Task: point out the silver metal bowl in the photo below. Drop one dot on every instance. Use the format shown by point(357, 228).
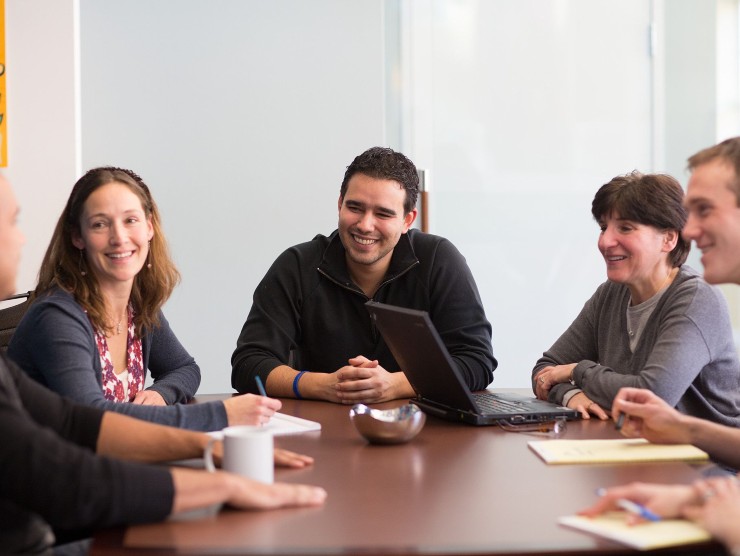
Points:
point(387, 426)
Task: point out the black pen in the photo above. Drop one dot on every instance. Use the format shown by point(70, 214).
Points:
point(261, 388)
point(620, 421)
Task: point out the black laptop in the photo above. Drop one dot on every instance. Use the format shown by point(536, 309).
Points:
point(441, 391)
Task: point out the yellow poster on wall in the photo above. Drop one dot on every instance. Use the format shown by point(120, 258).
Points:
point(3, 118)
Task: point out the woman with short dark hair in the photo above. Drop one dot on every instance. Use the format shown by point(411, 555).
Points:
point(655, 323)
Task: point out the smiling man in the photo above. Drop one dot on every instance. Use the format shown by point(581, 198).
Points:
point(308, 334)
point(713, 203)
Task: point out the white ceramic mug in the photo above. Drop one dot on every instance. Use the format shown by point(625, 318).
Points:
point(248, 451)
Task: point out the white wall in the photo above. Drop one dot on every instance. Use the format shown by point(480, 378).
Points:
point(43, 149)
point(524, 110)
point(690, 74)
point(242, 115)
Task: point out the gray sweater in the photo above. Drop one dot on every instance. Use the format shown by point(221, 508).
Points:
point(686, 353)
point(55, 344)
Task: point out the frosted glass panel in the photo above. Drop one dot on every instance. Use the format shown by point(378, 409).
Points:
point(242, 115)
point(521, 109)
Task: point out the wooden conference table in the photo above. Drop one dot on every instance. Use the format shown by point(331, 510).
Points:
point(454, 489)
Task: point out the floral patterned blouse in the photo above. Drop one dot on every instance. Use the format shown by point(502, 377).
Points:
point(113, 387)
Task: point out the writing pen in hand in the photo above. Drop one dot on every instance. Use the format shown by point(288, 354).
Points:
point(260, 387)
point(618, 425)
point(632, 507)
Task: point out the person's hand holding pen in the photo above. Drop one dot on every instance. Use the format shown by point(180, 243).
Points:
point(260, 386)
point(249, 409)
point(644, 501)
point(284, 458)
point(641, 413)
point(713, 504)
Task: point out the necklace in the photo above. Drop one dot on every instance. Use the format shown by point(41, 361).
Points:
point(120, 321)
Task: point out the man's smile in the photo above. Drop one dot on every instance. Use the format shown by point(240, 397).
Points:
point(363, 240)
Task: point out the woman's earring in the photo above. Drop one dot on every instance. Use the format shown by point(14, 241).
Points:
point(148, 253)
point(82, 270)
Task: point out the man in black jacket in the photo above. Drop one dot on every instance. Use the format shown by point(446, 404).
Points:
point(308, 334)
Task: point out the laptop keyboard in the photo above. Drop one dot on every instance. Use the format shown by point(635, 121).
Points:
point(489, 404)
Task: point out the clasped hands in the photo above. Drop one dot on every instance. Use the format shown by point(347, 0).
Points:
point(364, 381)
point(548, 377)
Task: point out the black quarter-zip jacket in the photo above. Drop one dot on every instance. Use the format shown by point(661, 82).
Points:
point(309, 314)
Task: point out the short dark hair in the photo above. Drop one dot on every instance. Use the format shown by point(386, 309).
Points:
point(652, 199)
point(729, 151)
point(387, 164)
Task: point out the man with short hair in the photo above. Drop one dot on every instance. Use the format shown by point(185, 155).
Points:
point(713, 201)
point(309, 335)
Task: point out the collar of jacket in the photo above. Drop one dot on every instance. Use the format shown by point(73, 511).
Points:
point(334, 263)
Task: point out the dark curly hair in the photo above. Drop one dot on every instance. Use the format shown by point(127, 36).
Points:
point(387, 164)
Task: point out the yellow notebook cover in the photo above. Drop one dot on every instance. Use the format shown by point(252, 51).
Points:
point(642, 536)
point(618, 450)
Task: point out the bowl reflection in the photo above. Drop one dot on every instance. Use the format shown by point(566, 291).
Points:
point(387, 426)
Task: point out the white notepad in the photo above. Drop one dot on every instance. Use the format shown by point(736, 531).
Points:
point(281, 424)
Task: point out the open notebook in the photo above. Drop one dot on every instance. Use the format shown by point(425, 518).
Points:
point(642, 536)
point(618, 450)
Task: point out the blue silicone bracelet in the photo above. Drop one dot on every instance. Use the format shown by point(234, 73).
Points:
point(295, 385)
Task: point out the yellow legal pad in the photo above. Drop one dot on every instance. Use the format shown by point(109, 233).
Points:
point(618, 450)
point(642, 536)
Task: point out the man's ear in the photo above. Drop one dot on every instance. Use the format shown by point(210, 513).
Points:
point(408, 219)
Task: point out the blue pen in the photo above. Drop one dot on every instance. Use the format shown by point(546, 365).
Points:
point(632, 507)
point(261, 388)
point(637, 509)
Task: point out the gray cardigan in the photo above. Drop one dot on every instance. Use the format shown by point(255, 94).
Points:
point(55, 344)
point(686, 353)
